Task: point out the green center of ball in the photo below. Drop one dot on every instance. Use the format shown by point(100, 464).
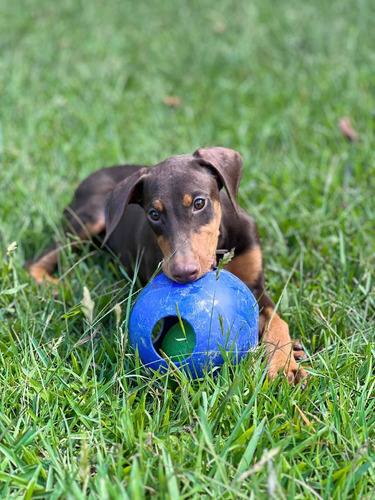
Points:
point(178, 345)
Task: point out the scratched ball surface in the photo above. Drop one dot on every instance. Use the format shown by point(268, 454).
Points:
point(194, 323)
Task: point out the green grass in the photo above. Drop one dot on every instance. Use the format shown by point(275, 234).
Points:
point(82, 85)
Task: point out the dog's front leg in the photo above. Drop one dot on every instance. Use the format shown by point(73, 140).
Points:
point(282, 354)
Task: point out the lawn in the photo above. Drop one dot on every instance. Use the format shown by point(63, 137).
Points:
point(88, 84)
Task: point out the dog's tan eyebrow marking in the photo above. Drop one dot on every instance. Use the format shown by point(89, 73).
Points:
point(158, 205)
point(187, 200)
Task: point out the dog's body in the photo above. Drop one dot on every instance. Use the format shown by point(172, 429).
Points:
point(176, 212)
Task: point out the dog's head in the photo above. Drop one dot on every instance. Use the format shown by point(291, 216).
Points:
point(180, 197)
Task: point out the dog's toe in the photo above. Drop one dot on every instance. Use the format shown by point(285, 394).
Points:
point(298, 352)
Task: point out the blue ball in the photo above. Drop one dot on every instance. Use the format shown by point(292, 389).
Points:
point(219, 311)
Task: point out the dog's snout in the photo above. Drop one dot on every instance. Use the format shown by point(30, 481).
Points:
point(185, 272)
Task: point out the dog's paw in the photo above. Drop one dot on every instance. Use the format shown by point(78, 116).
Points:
point(39, 274)
point(279, 362)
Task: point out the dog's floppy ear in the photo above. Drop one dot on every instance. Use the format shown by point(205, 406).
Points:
point(130, 190)
point(227, 164)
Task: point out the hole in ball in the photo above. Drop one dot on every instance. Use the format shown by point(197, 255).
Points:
point(176, 338)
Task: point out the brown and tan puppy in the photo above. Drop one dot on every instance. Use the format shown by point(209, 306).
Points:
point(176, 211)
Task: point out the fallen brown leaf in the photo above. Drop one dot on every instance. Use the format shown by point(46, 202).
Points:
point(172, 101)
point(347, 129)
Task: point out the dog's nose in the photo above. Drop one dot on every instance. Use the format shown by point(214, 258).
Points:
point(185, 272)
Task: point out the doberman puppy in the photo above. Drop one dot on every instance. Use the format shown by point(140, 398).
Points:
point(176, 212)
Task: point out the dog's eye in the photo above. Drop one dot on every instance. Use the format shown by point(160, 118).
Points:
point(154, 214)
point(199, 203)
